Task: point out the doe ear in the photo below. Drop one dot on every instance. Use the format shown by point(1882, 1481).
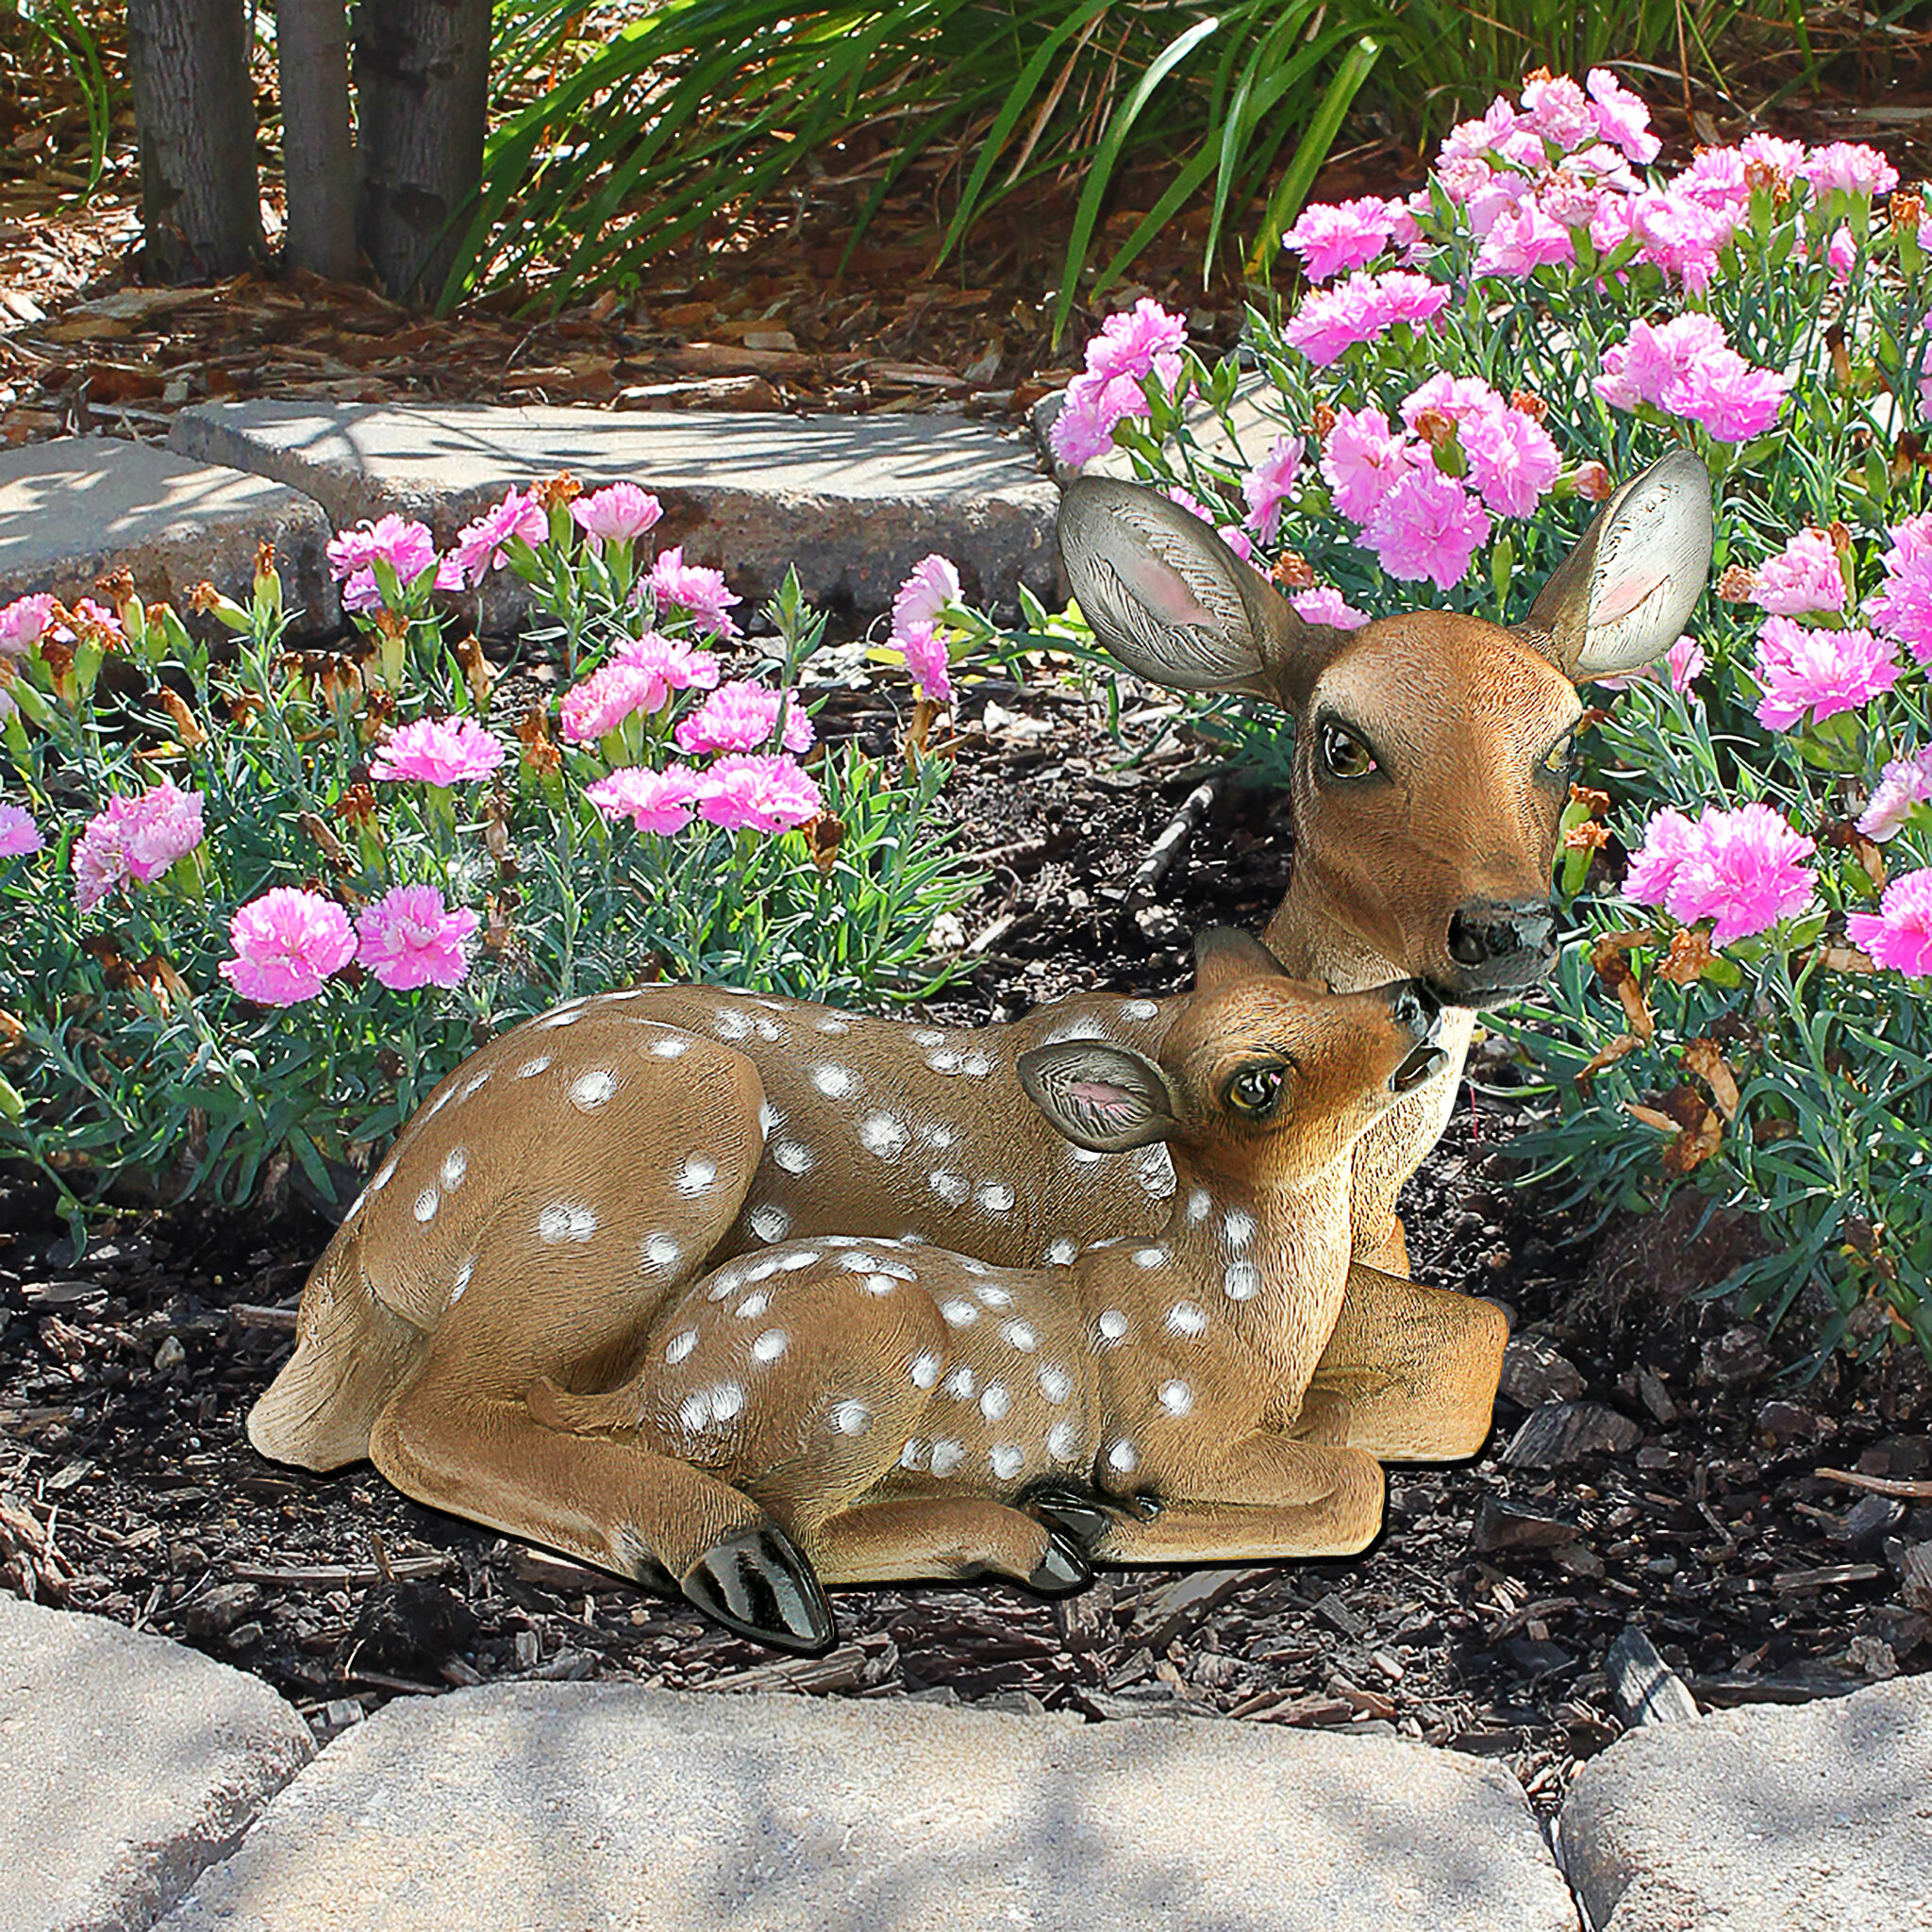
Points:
point(1172, 602)
point(1225, 955)
point(1102, 1098)
point(1621, 597)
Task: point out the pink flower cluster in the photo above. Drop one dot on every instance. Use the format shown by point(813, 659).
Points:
point(134, 839)
point(480, 545)
point(675, 663)
point(1741, 869)
point(1330, 236)
point(1419, 520)
point(919, 603)
point(1902, 605)
point(1805, 576)
point(1805, 669)
point(1325, 605)
point(1686, 368)
point(1899, 934)
point(1903, 783)
point(1137, 342)
point(288, 941)
point(1334, 320)
point(407, 547)
point(767, 792)
point(618, 514)
point(437, 751)
point(19, 835)
point(674, 584)
point(742, 717)
point(640, 676)
point(23, 622)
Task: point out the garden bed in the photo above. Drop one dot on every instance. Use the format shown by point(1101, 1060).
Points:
point(1479, 1620)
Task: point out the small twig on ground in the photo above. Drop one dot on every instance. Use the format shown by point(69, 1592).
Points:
point(1173, 835)
point(1878, 1485)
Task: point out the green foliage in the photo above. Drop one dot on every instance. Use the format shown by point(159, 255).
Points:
point(131, 1060)
point(60, 23)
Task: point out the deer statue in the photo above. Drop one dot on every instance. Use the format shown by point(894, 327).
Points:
point(1432, 754)
point(846, 1411)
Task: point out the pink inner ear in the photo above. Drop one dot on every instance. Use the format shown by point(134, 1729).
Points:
point(1625, 595)
point(1100, 1094)
point(1163, 590)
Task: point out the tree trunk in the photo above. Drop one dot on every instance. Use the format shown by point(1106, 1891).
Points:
point(200, 205)
point(318, 158)
point(422, 90)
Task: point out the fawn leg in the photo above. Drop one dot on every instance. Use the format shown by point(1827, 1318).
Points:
point(614, 1505)
point(1416, 1368)
point(1267, 1496)
point(906, 1537)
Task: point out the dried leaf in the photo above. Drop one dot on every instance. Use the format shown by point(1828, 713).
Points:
point(1706, 1059)
point(1701, 1132)
point(1651, 1117)
point(1846, 960)
point(1690, 954)
point(1606, 1056)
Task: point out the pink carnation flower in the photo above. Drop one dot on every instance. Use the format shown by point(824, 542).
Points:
point(1139, 341)
point(1363, 460)
point(927, 662)
point(601, 702)
point(742, 717)
point(1558, 111)
point(1334, 320)
point(1269, 484)
point(1089, 415)
point(932, 584)
point(772, 794)
point(676, 663)
point(1715, 178)
point(1470, 140)
point(1653, 869)
point(1901, 607)
point(1804, 575)
point(1325, 605)
point(1686, 368)
point(1851, 168)
point(1427, 526)
point(1903, 783)
point(1526, 238)
point(1512, 462)
point(437, 751)
point(408, 939)
point(1330, 236)
point(657, 801)
point(693, 587)
point(1899, 934)
point(1622, 118)
point(407, 547)
point(1743, 869)
point(23, 622)
point(287, 942)
point(135, 838)
point(1684, 664)
point(19, 835)
point(1823, 672)
point(1785, 157)
point(1734, 401)
point(618, 514)
point(479, 545)
point(1681, 237)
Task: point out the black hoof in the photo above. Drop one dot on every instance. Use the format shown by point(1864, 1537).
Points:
point(1082, 1515)
point(759, 1583)
point(1062, 1569)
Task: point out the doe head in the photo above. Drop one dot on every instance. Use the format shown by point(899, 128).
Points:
point(1260, 1076)
point(1433, 750)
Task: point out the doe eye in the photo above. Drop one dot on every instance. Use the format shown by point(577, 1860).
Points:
point(1345, 754)
point(1255, 1089)
point(1562, 756)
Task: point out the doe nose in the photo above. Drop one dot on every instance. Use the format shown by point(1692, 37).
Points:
point(1487, 931)
point(1416, 1008)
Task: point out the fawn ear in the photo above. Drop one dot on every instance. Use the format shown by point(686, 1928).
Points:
point(1172, 602)
point(1102, 1098)
point(1225, 955)
point(1621, 597)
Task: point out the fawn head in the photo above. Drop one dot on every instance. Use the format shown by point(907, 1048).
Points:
point(1433, 750)
point(1261, 1076)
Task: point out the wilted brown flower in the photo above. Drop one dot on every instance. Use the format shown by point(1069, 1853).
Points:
point(1529, 403)
point(1324, 420)
point(204, 597)
point(539, 749)
point(1435, 427)
point(1758, 173)
point(115, 585)
point(190, 734)
point(1293, 571)
point(1587, 836)
point(1905, 209)
point(1737, 585)
point(1594, 802)
point(1690, 954)
point(1592, 482)
point(356, 806)
point(560, 489)
point(822, 836)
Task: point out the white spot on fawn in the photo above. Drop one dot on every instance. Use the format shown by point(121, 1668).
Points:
point(830, 1025)
point(858, 1262)
point(996, 1197)
point(1063, 1442)
point(1084, 1156)
point(1186, 1318)
point(590, 1090)
point(1021, 1336)
point(770, 1119)
point(1150, 1257)
point(476, 1081)
point(661, 1251)
point(727, 1398)
point(852, 1417)
point(694, 1411)
point(799, 1258)
point(927, 1035)
point(1061, 1251)
point(992, 1295)
point(947, 1457)
point(1238, 1228)
point(880, 1284)
point(730, 1026)
point(995, 1402)
point(976, 1064)
point(456, 1164)
point(1112, 1325)
point(461, 1282)
point(945, 1062)
point(951, 1188)
point(1200, 1206)
point(1006, 1460)
point(564, 1016)
point(566, 1221)
point(426, 1203)
point(680, 1345)
point(1140, 1010)
point(1176, 1397)
point(1154, 1172)
point(769, 1346)
point(696, 1174)
point(925, 1370)
point(959, 1314)
point(880, 1134)
point(795, 1157)
point(769, 1221)
point(835, 1083)
point(1242, 1281)
point(1055, 1383)
point(530, 1069)
point(937, 1135)
point(671, 1047)
point(913, 1454)
point(959, 1383)
point(381, 1176)
point(754, 1305)
point(768, 1029)
point(1123, 1457)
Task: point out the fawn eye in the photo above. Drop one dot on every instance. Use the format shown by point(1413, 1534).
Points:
point(1255, 1089)
point(1344, 754)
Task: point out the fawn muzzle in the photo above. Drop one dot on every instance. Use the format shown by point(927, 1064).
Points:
point(1417, 1007)
point(1499, 945)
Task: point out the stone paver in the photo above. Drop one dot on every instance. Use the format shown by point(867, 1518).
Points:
point(1806, 1818)
point(81, 504)
point(853, 501)
point(126, 1764)
point(608, 1808)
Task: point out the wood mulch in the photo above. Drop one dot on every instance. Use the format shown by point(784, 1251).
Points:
point(1680, 1490)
